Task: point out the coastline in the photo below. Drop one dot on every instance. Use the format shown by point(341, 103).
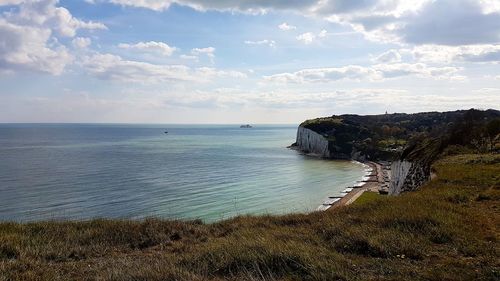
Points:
point(372, 182)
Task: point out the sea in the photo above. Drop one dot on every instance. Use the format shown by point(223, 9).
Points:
point(136, 171)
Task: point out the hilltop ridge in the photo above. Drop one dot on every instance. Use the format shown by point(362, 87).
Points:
point(387, 136)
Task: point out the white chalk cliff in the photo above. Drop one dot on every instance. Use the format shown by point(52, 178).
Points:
point(311, 142)
point(407, 176)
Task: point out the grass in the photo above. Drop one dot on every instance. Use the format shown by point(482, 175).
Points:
point(324, 121)
point(448, 230)
point(367, 197)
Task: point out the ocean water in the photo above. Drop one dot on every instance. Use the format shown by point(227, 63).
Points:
point(203, 172)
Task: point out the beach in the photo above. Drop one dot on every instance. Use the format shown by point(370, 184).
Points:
point(377, 179)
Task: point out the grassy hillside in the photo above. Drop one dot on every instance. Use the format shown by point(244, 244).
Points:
point(448, 230)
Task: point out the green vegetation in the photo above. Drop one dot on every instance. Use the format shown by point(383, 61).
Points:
point(387, 136)
point(448, 230)
point(330, 121)
point(368, 197)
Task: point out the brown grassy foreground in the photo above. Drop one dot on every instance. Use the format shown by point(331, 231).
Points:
point(449, 230)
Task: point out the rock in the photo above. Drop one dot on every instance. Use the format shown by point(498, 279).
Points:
point(407, 176)
point(311, 142)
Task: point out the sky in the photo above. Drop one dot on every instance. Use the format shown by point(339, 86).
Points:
point(240, 61)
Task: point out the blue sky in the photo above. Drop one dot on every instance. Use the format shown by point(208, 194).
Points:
point(276, 61)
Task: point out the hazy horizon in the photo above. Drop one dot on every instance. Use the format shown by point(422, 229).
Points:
point(208, 124)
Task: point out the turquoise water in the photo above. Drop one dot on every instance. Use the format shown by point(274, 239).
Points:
point(136, 171)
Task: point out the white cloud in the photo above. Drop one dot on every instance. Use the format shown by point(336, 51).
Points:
point(341, 101)
point(29, 48)
point(351, 72)
point(81, 42)
point(151, 46)
point(418, 69)
point(188, 57)
point(452, 22)
point(112, 67)
point(30, 36)
point(246, 6)
point(306, 38)
point(448, 54)
point(45, 13)
point(10, 2)
point(208, 51)
point(212, 72)
point(157, 5)
point(270, 43)
point(286, 27)
point(390, 56)
point(376, 72)
point(443, 22)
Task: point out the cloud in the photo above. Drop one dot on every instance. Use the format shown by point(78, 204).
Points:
point(212, 72)
point(151, 46)
point(376, 72)
point(188, 57)
point(113, 67)
point(448, 54)
point(452, 22)
point(390, 56)
point(418, 69)
point(156, 5)
point(28, 48)
point(270, 43)
point(351, 72)
point(45, 13)
point(10, 2)
point(29, 36)
point(306, 38)
point(208, 51)
point(443, 22)
point(286, 27)
point(338, 101)
point(81, 42)
point(245, 6)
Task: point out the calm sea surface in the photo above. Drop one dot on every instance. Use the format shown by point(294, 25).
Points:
point(136, 171)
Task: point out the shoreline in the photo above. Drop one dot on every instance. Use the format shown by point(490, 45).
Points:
point(372, 182)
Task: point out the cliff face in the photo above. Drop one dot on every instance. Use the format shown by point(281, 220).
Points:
point(407, 176)
point(311, 142)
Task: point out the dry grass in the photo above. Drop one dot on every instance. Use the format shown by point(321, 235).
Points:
point(446, 231)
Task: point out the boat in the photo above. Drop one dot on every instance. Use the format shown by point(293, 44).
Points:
point(166, 132)
point(247, 126)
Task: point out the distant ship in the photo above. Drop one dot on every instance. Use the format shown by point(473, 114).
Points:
point(247, 126)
